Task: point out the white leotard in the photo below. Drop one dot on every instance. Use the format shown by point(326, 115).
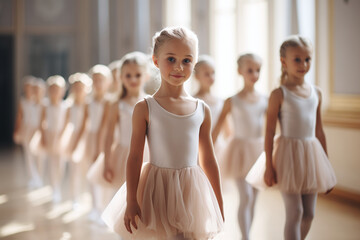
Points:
point(248, 117)
point(298, 114)
point(173, 139)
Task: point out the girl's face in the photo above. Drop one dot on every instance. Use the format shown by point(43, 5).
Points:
point(55, 93)
point(78, 89)
point(28, 91)
point(205, 74)
point(297, 61)
point(250, 70)
point(176, 61)
point(133, 77)
point(39, 92)
point(100, 83)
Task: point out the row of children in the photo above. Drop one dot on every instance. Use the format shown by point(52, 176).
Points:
point(171, 197)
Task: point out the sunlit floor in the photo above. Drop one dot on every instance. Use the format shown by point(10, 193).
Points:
point(29, 214)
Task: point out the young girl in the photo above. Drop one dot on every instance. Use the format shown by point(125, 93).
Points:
point(73, 136)
point(205, 75)
point(298, 162)
point(109, 172)
point(52, 127)
point(25, 127)
point(247, 109)
point(171, 197)
point(95, 129)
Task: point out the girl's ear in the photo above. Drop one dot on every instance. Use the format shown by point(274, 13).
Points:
point(155, 61)
point(239, 70)
point(282, 60)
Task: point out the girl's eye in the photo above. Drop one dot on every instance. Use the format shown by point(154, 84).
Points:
point(297, 60)
point(138, 75)
point(250, 71)
point(128, 76)
point(308, 59)
point(171, 59)
point(186, 60)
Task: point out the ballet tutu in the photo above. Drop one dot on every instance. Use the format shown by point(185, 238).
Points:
point(118, 160)
point(239, 157)
point(172, 202)
point(301, 166)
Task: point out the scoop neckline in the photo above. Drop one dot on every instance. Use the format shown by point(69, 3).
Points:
point(300, 97)
point(178, 115)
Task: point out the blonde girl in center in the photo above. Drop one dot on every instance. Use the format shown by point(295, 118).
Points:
point(176, 195)
point(247, 108)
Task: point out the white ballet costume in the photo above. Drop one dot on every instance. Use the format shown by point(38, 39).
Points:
point(301, 164)
point(247, 143)
point(29, 125)
point(75, 154)
point(174, 194)
point(55, 120)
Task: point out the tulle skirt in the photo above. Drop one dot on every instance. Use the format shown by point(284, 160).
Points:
point(239, 157)
point(172, 202)
point(118, 160)
point(301, 166)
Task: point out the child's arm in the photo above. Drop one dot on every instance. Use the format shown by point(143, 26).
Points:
point(226, 109)
point(17, 126)
point(275, 101)
point(319, 132)
point(112, 115)
point(100, 133)
point(140, 119)
point(207, 158)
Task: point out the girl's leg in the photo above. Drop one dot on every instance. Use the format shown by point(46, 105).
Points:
point(246, 209)
point(57, 172)
point(294, 213)
point(309, 202)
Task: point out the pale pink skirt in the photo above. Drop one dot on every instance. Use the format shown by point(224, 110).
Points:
point(239, 156)
point(172, 202)
point(301, 166)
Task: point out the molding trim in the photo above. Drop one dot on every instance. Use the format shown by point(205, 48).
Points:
point(345, 196)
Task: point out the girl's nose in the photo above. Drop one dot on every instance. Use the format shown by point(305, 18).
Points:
point(178, 67)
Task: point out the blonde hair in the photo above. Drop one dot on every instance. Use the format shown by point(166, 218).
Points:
point(56, 80)
point(170, 33)
point(101, 69)
point(292, 41)
point(138, 58)
point(246, 56)
point(81, 78)
point(204, 59)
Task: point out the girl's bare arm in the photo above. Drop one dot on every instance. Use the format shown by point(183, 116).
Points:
point(226, 109)
point(207, 158)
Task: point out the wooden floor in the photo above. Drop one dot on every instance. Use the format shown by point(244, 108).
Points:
point(29, 214)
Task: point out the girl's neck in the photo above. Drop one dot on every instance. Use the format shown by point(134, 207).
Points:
point(79, 101)
point(248, 88)
point(55, 102)
point(98, 96)
point(293, 81)
point(167, 90)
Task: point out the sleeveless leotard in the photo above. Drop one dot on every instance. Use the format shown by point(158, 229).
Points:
point(247, 143)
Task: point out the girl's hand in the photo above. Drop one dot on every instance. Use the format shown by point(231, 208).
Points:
point(108, 174)
point(270, 176)
point(132, 209)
